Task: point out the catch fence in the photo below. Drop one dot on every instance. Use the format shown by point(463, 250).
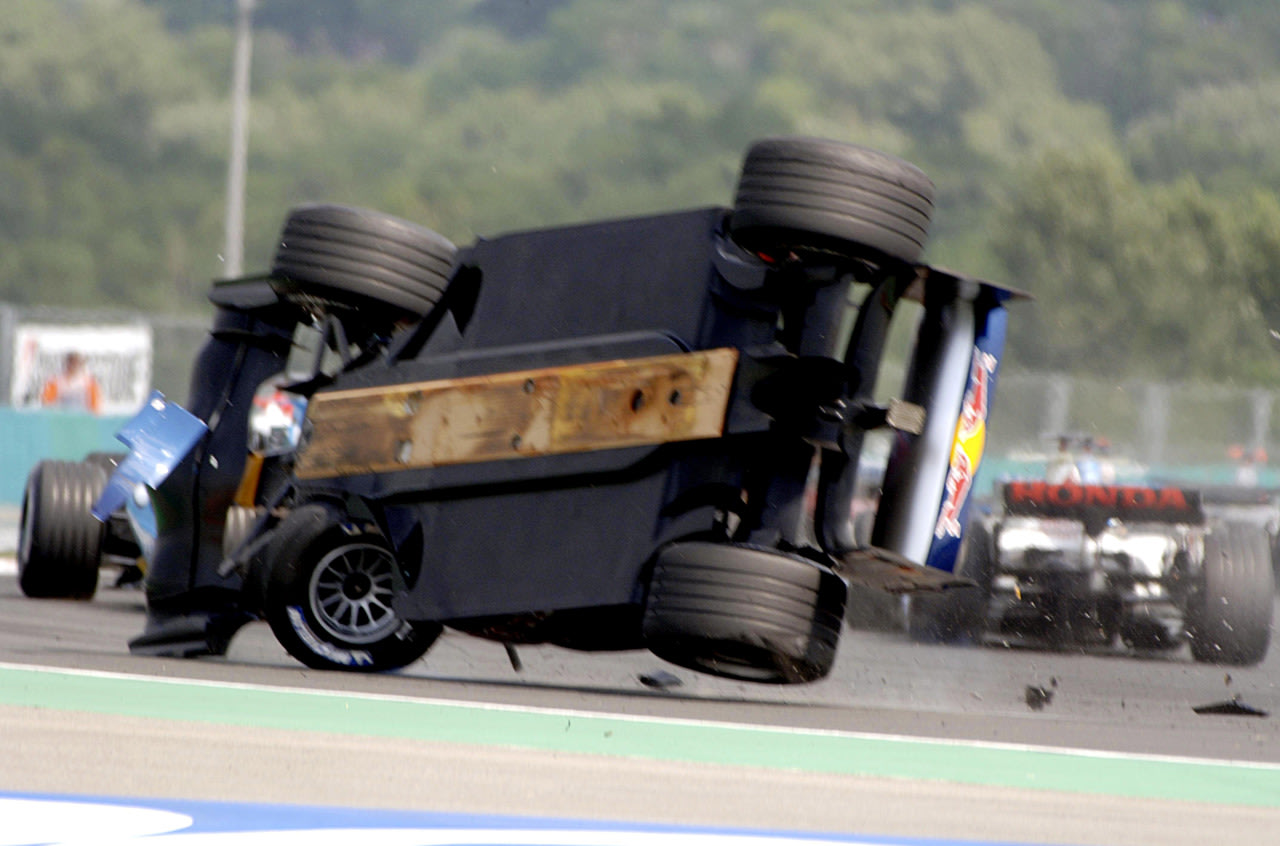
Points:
point(1192, 429)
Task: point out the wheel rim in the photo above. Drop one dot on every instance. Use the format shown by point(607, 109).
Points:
point(350, 593)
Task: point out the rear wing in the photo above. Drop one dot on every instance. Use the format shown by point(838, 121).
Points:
point(1239, 495)
point(925, 497)
point(1094, 504)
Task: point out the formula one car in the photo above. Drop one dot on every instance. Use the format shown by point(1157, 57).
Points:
point(637, 433)
point(1093, 565)
point(63, 547)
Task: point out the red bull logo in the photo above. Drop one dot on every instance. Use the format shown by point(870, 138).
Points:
point(967, 446)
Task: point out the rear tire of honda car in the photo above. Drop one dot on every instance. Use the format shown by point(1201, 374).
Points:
point(59, 540)
point(809, 194)
point(743, 612)
point(1229, 615)
point(390, 269)
point(958, 614)
point(329, 594)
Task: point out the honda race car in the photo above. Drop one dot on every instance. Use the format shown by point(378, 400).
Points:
point(1103, 565)
point(638, 433)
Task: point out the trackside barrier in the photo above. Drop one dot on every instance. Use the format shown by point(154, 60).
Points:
point(31, 436)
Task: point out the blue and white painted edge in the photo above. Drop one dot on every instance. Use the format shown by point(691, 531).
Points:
point(30, 819)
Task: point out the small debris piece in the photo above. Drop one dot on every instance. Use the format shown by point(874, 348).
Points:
point(513, 657)
point(660, 679)
point(1233, 707)
point(1038, 697)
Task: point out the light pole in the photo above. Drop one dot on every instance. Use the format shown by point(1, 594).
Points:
point(233, 250)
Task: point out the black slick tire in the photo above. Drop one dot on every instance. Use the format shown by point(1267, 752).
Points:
point(108, 461)
point(329, 592)
point(59, 540)
point(800, 194)
point(1229, 614)
point(240, 522)
point(743, 612)
point(390, 269)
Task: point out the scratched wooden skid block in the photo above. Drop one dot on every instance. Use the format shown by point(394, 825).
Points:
point(550, 411)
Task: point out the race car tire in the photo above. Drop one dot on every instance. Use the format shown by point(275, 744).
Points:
point(1275, 558)
point(59, 540)
point(1147, 636)
point(235, 531)
point(958, 614)
point(329, 591)
point(108, 461)
point(809, 194)
point(743, 612)
point(388, 268)
point(1229, 615)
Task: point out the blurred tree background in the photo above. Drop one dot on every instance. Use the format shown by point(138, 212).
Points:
point(1113, 157)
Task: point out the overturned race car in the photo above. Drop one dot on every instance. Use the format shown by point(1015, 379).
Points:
point(638, 433)
point(1101, 566)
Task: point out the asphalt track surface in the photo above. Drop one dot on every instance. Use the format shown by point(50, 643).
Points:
point(903, 740)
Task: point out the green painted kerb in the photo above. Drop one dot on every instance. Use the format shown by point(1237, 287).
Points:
point(811, 751)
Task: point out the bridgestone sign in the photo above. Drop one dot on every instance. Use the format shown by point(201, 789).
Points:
point(119, 357)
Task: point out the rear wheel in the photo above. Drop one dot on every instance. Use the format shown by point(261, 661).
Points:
point(240, 522)
point(387, 268)
point(744, 612)
point(1229, 615)
point(60, 541)
point(329, 595)
point(811, 194)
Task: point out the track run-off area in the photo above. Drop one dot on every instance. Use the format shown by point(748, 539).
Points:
point(917, 741)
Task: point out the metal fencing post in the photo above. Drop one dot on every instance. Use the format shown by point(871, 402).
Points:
point(8, 331)
point(1155, 422)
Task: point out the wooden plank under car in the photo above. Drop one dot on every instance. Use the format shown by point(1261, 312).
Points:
point(548, 411)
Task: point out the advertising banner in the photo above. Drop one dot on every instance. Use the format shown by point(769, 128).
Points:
point(103, 369)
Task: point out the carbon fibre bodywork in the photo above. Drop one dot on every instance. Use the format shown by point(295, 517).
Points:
point(605, 436)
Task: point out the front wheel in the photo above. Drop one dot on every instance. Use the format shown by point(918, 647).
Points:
point(1229, 615)
point(386, 268)
point(329, 595)
point(59, 540)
